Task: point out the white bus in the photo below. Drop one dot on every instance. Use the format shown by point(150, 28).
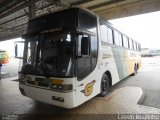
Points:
point(72, 55)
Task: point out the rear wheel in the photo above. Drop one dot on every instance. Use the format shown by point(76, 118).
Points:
point(135, 70)
point(104, 85)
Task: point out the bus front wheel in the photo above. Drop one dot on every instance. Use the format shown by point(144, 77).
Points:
point(104, 85)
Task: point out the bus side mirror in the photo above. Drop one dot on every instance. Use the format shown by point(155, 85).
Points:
point(85, 47)
point(19, 47)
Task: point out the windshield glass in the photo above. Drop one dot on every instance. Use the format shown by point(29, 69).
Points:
point(50, 55)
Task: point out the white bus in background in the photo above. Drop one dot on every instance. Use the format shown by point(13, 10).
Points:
point(73, 55)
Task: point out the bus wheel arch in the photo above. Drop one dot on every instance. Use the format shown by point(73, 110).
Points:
point(105, 84)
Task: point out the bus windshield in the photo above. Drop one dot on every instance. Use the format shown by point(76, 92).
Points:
point(50, 55)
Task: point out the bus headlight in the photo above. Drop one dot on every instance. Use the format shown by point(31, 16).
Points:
point(22, 79)
point(67, 87)
point(29, 78)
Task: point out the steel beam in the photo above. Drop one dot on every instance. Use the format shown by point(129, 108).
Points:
point(129, 9)
point(7, 5)
point(13, 19)
point(10, 36)
point(105, 4)
point(22, 6)
point(81, 2)
point(14, 27)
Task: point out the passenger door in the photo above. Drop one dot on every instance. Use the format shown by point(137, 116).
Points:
point(84, 57)
point(85, 88)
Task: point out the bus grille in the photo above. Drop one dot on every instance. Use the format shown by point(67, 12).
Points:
point(30, 82)
point(43, 84)
point(35, 83)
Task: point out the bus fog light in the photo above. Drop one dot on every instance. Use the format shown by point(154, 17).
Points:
point(60, 99)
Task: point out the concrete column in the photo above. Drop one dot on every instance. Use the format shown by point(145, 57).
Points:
point(32, 10)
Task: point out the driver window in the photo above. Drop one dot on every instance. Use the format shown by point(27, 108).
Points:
point(87, 63)
point(79, 43)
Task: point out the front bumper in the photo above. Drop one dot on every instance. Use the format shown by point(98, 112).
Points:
point(47, 96)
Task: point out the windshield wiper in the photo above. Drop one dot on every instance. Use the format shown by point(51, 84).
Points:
point(44, 68)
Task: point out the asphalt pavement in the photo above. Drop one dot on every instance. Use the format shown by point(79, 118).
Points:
point(148, 78)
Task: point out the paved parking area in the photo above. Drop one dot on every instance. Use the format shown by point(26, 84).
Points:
point(148, 78)
point(125, 100)
point(11, 69)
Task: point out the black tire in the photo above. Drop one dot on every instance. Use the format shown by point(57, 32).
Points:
point(135, 70)
point(104, 85)
point(137, 67)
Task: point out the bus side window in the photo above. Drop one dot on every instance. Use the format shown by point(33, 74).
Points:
point(139, 47)
point(134, 44)
point(110, 36)
point(120, 40)
point(103, 30)
point(116, 38)
point(130, 44)
point(125, 41)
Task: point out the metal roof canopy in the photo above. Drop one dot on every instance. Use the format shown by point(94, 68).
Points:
point(15, 14)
